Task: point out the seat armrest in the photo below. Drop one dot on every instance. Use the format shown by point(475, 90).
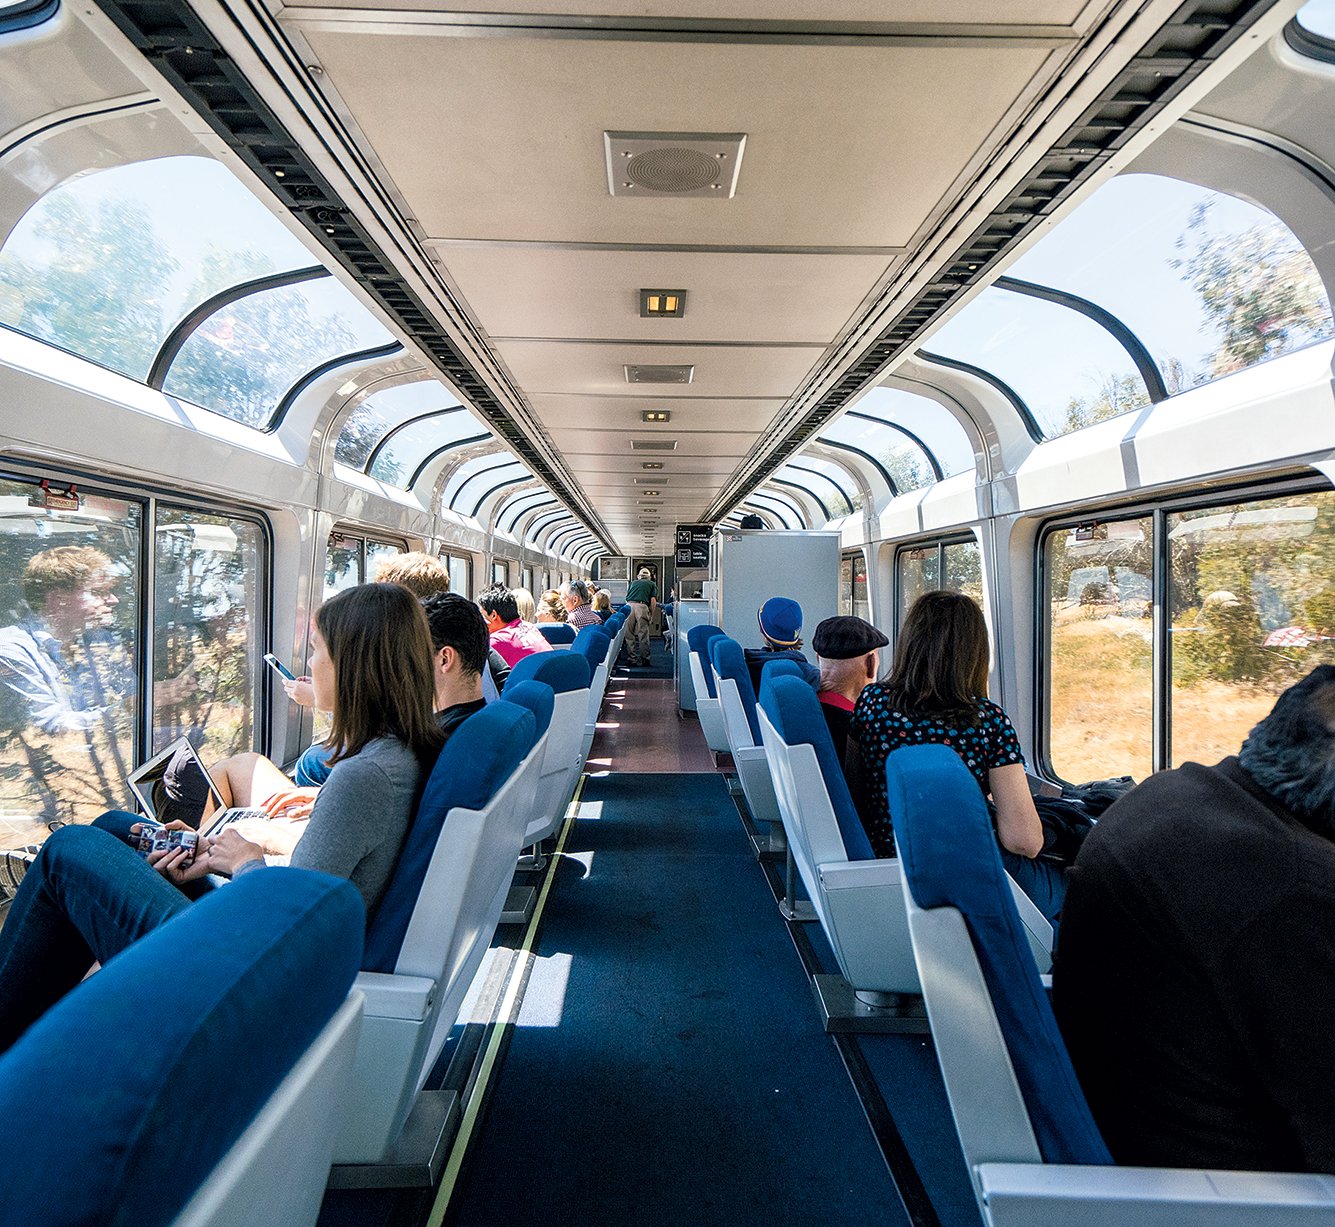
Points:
point(404, 997)
point(748, 754)
point(1037, 1195)
point(858, 875)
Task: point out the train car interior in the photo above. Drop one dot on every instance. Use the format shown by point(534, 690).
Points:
point(745, 316)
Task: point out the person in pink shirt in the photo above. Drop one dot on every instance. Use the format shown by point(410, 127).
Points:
point(512, 638)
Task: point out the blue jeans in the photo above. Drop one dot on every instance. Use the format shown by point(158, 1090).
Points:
point(312, 767)
point(86, 897)
point(1042, 881)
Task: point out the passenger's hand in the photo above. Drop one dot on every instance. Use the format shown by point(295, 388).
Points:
point(291, 804)
point(274, 838)
point(229, 852)
point(173, 865)
point(300, 691)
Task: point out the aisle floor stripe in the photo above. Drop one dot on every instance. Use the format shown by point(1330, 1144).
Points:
point(505, 1018)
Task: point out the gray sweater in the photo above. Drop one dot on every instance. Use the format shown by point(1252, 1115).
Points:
point(360, 818)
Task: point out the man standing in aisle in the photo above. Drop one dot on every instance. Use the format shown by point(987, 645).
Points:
point(642, 596)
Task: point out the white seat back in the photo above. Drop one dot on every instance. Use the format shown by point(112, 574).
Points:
point(560, 764)
point(707, 708)
point(275, 1173)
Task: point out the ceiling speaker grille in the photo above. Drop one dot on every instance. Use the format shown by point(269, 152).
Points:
point(701, 164)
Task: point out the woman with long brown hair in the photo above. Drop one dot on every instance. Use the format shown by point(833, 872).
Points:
point(88, 894)
point(937, 694)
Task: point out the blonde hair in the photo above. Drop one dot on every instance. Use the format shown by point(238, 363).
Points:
point(524, 603)
point(602, 600)
point(551, 605)
point(423, 575)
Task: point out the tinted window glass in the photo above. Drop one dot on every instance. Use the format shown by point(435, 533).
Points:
point(461, 574)
point(207, 631)
point(343, 565)
point(853, 587)
point(105, 265)
point(242, 359)
point(1100, 681)
point(69, 584)
point(919, 571)
point(1252, 601)
point(924, 418)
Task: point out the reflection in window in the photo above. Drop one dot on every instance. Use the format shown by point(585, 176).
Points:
point(1100, 683)
point(1067, 369)
point(241, 360)
point(1210, 284)
point(919, 571)
point(377, 551)
point(853, 598)
point(379, 413)
point(343, 564)
point(107, 264)
point(461, 574)
point(69, 585)
point(1252, 606)
point(207, 631)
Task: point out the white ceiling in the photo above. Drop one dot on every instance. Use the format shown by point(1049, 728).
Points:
point(490, 134)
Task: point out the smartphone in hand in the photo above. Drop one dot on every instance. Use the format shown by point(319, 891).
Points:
point(277, 665)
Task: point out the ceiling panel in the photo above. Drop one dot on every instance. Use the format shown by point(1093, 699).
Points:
point(999, 12)
point(689, 443)
point(516, 123)
point(731, 296)
point(618, 413)
point(569, 366)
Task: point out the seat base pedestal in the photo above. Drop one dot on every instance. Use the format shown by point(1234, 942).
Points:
point(518, 906)
point(417, 1155)
point(800, 910)
point(842, 1010)
point(769, 842)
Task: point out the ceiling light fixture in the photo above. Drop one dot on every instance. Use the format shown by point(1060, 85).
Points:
point(655, 415)
point(662, 304)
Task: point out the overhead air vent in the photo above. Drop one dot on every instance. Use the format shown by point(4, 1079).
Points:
point(641, 373)
point(651, 481)
point(653, 445)
point(673, 163)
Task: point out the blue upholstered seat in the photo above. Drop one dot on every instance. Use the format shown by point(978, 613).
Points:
point(730, 665)
point(950, 859)
point(697, 639)
point(592, 642)
point(536, 697)
point(557, 632)
point(561, 671)
point(794, 711)
point(123, 1097)
point(480, 756)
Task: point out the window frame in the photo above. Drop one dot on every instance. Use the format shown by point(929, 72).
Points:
point(353, 533)
point(149, 497)
point(939, 544)
point(26, 16)
point(1161, 665)
point(445, 556)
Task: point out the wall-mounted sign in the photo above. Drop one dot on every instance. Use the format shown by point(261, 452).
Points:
point(693, 546)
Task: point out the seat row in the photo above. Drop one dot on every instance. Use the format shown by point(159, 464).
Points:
point(268, 1031)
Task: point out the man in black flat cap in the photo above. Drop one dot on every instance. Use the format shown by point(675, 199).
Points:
point(848, 652)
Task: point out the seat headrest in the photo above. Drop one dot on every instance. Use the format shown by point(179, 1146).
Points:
point(949, 856)
point(794, 711)
point(477, 760)
point(129, 1062)
point(730, 664)
point(561, 671)
point(697, 639)
point(537, 697)
point(557, 632)
point(592, 642)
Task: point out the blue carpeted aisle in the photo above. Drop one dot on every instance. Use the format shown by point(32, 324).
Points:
point(668, 1066)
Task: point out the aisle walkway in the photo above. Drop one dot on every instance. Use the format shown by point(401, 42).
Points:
point(667, 1066)
point(639, 729)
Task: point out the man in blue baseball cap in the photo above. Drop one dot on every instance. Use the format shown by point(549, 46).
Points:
point(780, 621)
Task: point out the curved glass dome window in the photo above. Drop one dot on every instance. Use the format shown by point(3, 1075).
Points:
point(898, 460)
point(834, 487)
point(1312, 31)
point(475, 477)
point(366, 427)
point(1208, 283)
point(241, 360)
point(1067, 369)
point(106, 265)
point(23, 14)
point(930, 423)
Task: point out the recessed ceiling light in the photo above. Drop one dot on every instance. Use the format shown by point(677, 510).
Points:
point(656, 415)
point(662, 304)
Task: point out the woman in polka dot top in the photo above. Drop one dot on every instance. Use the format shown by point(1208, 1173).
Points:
point(936, 693)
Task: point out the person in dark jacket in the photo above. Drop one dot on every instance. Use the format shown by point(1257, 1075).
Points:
point(780, 622)
point(848, 653)
point(1195, 976)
